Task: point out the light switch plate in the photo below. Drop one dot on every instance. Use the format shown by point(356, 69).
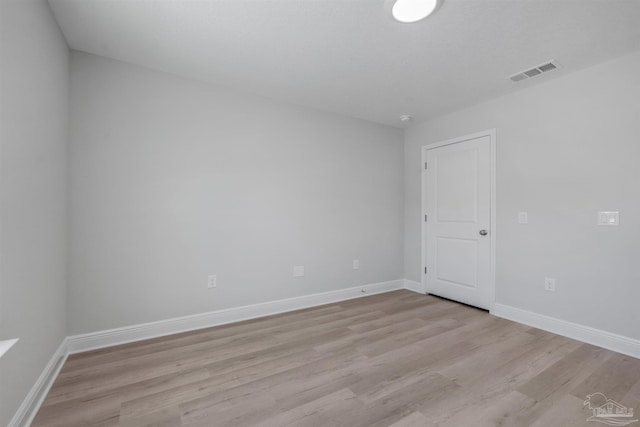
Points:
point(609, 218)
point(298, 270)
point(523, 218)
point(212, 281)
point(549, 284)
point(356, 264)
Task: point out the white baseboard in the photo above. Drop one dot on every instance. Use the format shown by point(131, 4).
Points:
point(412, 285)
point(29, 407)
point(608, 340)
point(95, 340)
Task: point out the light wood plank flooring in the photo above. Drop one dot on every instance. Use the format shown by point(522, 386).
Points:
point(397, 359)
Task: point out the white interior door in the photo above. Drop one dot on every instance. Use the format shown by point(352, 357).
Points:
point(457, 188)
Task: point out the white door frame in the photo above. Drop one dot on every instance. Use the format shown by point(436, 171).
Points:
point(491, 133)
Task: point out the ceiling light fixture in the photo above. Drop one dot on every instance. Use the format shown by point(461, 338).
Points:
point(407, 11)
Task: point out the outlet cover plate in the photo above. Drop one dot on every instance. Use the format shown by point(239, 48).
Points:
point(523, 218)
point(549, 284)
point(609, 218)
point(212, 281)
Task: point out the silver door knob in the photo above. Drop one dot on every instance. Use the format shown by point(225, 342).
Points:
point(483, 232)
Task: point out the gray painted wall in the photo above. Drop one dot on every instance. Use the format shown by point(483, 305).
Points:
point(567, 148)
point(34, 87)
point(172, 180)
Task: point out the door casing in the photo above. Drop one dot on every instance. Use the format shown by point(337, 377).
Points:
point(491, 133)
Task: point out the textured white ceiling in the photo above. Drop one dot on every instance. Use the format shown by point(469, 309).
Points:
point(349, 56)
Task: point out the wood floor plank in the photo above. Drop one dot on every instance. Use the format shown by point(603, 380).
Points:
point(397, 359)
point(567, 373)
point(415, 419)
point(397, 340)
point(297, 394)
point(125, 392)
point(215, 389)
point(615, 377)
point(244, 328)
point(494, 411)
point(490, 387)
point(319, 412)
point(370, 336)
point(567, 411)
point(394, 406)
point(556, 381)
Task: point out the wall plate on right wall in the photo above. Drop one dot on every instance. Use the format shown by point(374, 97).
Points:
point(523, 217)
point(609, 218)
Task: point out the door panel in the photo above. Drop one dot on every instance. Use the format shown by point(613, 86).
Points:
point(456, 186)
point(451, 253)
point(457, 201)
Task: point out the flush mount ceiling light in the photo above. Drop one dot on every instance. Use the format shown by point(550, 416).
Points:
point(407, 11)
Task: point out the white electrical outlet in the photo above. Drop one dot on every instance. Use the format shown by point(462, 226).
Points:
point(549, 284)
point(356, 264)
point(523, 218)
point(212, 281)
point(298, 270)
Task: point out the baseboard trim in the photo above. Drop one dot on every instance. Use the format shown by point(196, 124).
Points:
point(127, 334)
point(29, 408)
point(412, 285)
point(608, 340)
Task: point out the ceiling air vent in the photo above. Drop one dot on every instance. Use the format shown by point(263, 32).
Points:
point(547, 67)
point(535, 71)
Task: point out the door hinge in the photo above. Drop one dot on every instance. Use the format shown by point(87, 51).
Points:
point(425, 217)
point(425, 165)
point(425, 270)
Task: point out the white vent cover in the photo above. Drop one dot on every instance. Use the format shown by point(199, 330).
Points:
point(535, 71)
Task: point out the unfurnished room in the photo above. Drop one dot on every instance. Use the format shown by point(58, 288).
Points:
point(319, 213)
